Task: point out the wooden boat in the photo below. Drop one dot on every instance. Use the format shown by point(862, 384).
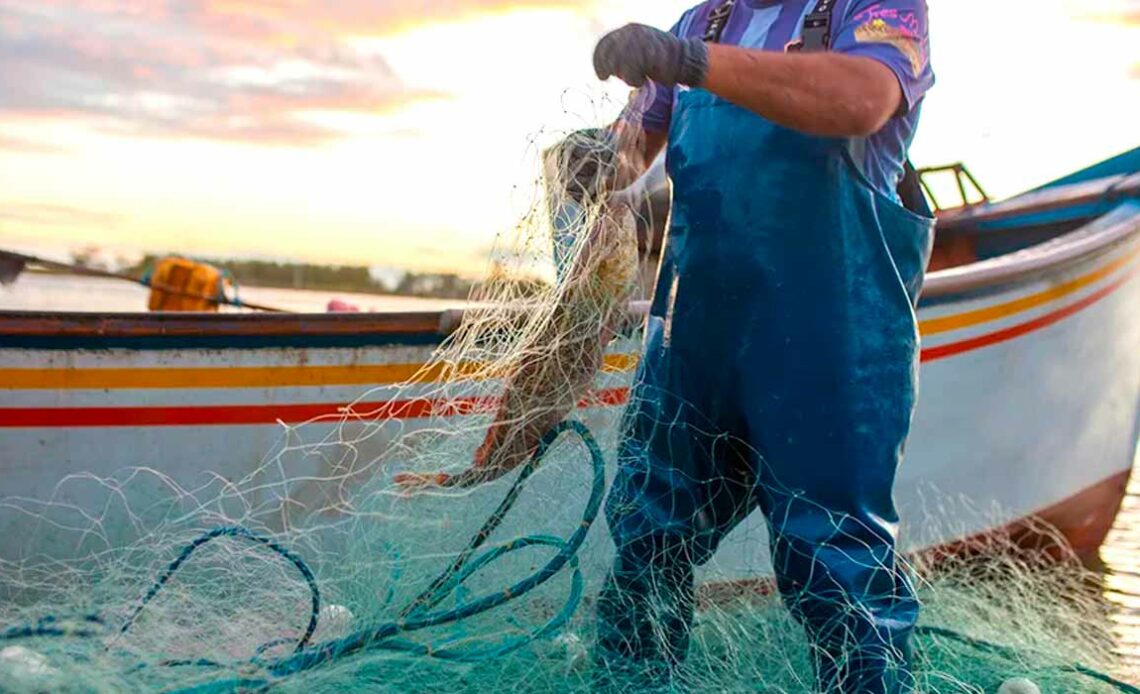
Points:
point(1029, 407)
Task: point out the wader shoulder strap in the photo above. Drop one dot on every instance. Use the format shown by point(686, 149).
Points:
point(816, 33)
point(718, 19)
point(817, 37)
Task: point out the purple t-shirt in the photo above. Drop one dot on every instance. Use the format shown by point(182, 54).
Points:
point(893, 32)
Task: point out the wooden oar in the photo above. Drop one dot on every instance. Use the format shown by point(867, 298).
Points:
point(12, 264)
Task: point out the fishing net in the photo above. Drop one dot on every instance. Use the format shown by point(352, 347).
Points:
point(451, 539)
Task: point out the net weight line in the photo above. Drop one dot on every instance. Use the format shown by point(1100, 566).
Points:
point(935, 633)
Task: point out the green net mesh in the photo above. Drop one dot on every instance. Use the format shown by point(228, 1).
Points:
point(380, 573)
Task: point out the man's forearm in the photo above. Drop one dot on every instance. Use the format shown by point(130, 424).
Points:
point(823, 94)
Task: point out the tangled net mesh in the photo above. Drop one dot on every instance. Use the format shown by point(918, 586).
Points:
point(366, 552)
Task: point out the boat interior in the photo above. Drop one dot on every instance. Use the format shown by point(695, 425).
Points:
point(973, 228)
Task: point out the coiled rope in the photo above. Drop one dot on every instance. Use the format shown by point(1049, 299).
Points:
point(415, 616)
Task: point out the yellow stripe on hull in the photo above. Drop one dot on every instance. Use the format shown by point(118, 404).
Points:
point(388, 374)
point(252, 376)
point(934, 326)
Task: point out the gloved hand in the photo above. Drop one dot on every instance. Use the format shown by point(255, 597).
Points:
point(636, 53)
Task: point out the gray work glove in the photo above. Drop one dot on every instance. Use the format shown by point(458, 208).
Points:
point(636, 53)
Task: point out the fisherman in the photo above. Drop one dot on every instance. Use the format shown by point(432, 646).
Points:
point(780, 359)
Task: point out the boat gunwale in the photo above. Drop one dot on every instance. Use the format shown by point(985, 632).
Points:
point(1115, 187)
point(176, 324)
point(1093, 239)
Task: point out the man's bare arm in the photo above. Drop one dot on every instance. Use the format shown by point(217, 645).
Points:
point(823, 94)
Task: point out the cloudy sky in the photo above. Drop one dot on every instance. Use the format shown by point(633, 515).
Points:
point(403, 132)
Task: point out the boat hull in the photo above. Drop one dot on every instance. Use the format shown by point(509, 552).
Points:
point(1029, 408)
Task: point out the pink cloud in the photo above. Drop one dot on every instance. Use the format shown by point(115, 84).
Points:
point(358, 17)
point(221, 69)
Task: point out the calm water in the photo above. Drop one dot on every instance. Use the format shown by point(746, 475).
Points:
point(1121, 553)
point(39, 292)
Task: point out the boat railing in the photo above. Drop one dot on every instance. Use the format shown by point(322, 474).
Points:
point(962, 177)
point(1105, 189)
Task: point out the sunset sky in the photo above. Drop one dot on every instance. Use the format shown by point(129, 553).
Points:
point(401, 133)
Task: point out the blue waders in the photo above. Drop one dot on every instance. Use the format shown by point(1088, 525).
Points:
point(779, 372)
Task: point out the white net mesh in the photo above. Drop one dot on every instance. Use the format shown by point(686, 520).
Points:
point(435, 550)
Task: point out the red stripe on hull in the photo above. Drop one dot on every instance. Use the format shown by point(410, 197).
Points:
point(1015, 331)
point(214, 415)
point(210, 415)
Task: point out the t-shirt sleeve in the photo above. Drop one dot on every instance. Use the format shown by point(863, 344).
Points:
point(895, 33)
point(652, 105)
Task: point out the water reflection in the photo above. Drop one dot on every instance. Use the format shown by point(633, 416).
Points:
point(1121, 556)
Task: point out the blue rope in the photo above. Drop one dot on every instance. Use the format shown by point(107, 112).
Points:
point(80, 627)
point(417, 616)
point(235, 531)
point(414, 617)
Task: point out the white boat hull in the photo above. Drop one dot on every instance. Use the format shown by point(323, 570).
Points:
point(1029, 407)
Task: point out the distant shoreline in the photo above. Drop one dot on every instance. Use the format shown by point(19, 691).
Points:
point(315, 287)
point(59, 291)
point(355, 279)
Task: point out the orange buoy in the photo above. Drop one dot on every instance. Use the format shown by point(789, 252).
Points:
point(181, 284)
